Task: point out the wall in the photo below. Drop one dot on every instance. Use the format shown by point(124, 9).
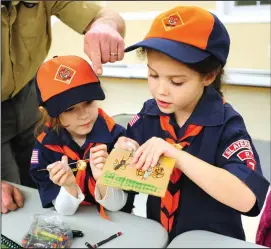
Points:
point(249, 50)
point(253, 103)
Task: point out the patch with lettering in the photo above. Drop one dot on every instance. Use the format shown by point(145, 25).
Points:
point(236, 146)
point(248, 156)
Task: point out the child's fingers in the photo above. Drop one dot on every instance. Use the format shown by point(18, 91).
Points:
point(97, 154)
point(52, 165)
point(58, 175)
point(99, 160)
point(54, 168)
point(138, 154)
point(149, 157)
point(158, 150)
point(63, 179)
point(122, 146)
point(155, 158)
point(132, 146)
point(99, 165)
point(145, 159)
point(91, 161)
point(97, 148)
point(64, 160)
point(126, 143)
point(153, 154)
point(142, 158)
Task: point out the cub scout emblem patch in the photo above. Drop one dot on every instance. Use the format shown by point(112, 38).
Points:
point(173, 21)
point(64, 74)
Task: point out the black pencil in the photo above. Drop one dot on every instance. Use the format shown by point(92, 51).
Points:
point(106, 240)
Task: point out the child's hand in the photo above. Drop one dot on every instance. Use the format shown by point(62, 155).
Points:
point(61, 174)
point(126, 143)
point(97, 157)
point(149, 153)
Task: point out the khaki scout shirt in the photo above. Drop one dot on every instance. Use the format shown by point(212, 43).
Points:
point(26, 36)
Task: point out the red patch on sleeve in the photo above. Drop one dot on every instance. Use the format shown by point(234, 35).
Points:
point(251, 163)
point(249, 157)
point(234, 147)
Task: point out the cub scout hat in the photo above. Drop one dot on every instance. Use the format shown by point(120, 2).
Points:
point(64, 81)
point(188, 34)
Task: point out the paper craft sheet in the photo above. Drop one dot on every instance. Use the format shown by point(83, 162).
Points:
point(118, 172)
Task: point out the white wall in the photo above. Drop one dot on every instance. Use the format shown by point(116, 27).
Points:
point(253, 103)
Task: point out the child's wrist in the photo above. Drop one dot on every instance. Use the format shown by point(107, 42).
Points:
point(96, 177)
point(71, 186)
point(179, 154)
point(72, 189)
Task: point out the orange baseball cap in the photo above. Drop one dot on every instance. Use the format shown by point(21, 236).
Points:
point(188, 34)
point(64, 81)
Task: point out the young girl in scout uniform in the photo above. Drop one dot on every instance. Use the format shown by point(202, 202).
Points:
point(217, 175)
point(74, 138)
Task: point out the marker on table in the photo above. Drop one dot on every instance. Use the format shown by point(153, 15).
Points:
point(104, 241)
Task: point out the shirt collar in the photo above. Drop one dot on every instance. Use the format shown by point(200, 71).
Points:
point(208, 112)
point(151, 108)
point(99, 134)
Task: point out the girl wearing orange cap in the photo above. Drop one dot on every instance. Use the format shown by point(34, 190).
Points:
point(217, 175)
point(74, 138)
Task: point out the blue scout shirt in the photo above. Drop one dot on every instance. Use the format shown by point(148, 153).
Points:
point(223, 142)
point(42, 157)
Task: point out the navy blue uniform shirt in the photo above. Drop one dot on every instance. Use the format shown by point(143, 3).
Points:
point(224, 142)
point(43, 156)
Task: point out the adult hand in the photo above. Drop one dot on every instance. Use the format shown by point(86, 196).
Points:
point(103, 44)
point(12, 198)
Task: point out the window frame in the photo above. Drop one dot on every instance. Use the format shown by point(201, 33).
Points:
point(242, 14)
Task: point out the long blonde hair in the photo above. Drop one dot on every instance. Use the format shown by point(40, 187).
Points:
point(46, 120)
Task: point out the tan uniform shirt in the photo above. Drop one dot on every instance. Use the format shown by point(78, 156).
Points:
point(26, 36)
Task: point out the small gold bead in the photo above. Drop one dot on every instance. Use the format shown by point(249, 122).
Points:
point(81, 165)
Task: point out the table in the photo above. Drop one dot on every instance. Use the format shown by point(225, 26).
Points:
point(137, 231)
point(205, 239)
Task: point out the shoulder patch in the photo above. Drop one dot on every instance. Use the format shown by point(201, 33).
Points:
point(245, 154)
point(35, 157)
point(248, 156)
point(236, 146)
point(134, 120)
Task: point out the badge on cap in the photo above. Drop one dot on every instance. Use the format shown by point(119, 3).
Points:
point(64, 74)
point(173, 21)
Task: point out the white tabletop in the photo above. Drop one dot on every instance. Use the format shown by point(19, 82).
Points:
point(137, 231)
point(205, 239)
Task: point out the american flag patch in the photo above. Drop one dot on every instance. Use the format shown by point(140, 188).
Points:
point(35, 157)
point(134, 119)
